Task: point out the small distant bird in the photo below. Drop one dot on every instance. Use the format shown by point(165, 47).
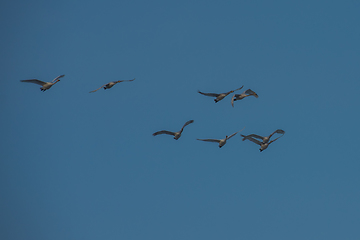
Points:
point(265, 140)
point(176, 135)
point(221, 142)
point(111, 84)
point(245, 94)
point(44, 85)
point(219, 96)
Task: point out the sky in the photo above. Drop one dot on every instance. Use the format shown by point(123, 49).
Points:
point(80, 165)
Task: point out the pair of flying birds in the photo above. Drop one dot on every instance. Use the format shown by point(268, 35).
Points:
point(235, 97)
point(263, 144)
point(47, 85)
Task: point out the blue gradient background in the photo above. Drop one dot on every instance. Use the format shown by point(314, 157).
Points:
point(76, 165)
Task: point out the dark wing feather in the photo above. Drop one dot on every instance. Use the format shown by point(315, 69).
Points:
point(256, 136)
point(125, 80)
point(164, 132)
point(209, 140)
point(251, 92)
point(209, 94)
point(254, 140)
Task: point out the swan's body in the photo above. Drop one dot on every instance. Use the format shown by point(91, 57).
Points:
point(243, 95)
point(111, 84)
point(265, 140)
point(44, 85)
point(176, 135)
point(221, 142)
point(219, 96)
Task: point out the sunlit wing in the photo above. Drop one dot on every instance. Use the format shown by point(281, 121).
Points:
point(36, 81)
point(209, 94)
point(187, 123)
point(209, 140)
point(163, 132)
point(58, 78)
point(98, 88)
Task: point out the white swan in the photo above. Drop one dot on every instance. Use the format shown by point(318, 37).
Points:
point(243, 95)
point(176, 135)
point(111, 84)
point(219, 96)
point(221, 142)
point(44, 85)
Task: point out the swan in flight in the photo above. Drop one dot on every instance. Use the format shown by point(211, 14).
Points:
point(176, 135)
point(219, 96)
point(221, 142)
point(245, 94)
point(44, 85)
point(265, 140)
point(111, 84)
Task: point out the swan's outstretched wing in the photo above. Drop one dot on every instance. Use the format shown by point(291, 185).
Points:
point(36, 81)
point(280, 131)
point(238, 88)
point(57, 78)
point(251, 139)
point(209, 140)
point(164, 132)
point(125, 80)
point(234, 134)
point(256, 136)
point(187, 123)
point(251, 92)
point(98, 88)
point(209, 94)
point(275, 139)
point(232, 100)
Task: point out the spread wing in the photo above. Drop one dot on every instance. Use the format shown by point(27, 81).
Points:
point(36, 81)
point(239, 88)
point(280, 131)
point(125, 80)
point(256, 136)
point(275, 139)
point(232, 100)
point(234, 134)
point(209, 140)
point(163, 132)
point(98, 88)
point(251, 92)
point(187, 123)
point(209, 94)
point(58, 78)
point(251, 139)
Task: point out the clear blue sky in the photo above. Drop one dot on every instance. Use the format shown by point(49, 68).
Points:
point(76, 165)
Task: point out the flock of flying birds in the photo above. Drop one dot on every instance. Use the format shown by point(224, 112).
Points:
point(263, 142)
